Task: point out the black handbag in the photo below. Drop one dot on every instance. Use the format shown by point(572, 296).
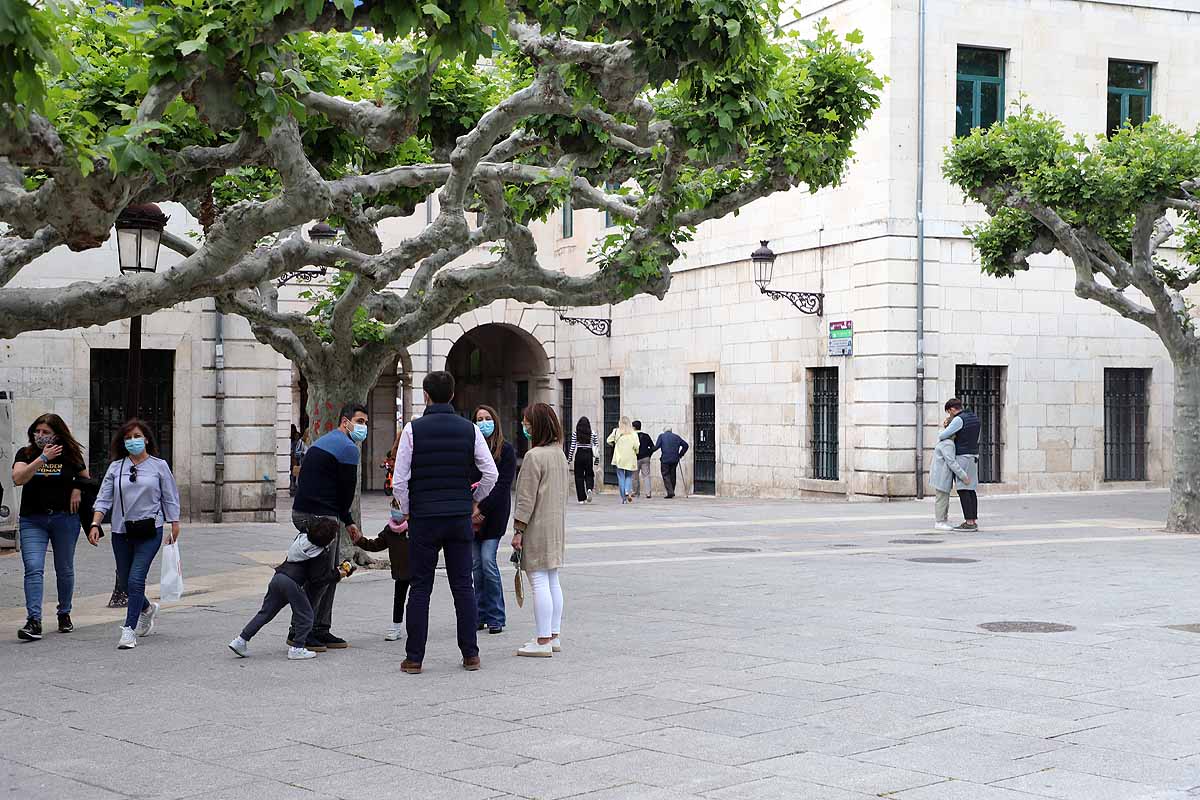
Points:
point(134, 528)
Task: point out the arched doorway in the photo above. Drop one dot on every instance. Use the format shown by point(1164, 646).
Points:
point(502, 366)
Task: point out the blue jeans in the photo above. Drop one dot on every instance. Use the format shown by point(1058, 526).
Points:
point(625, 482)
point(489, 586)
point(134, 557)
point(61, 532)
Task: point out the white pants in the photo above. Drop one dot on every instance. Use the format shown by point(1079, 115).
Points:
point(547, 602)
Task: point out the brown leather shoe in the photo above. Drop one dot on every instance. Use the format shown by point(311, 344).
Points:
point(471, 663)
point(411, 667)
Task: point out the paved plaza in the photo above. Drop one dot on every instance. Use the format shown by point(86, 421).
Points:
point(720, 649)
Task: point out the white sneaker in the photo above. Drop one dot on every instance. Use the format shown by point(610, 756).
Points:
point(300, 653)
point(535, 650)
point(943, 526)
point(238, 646)
point(146, 620)
point(581, 502)
point(556, 645)
point(395, 632)
point(590, 493)
point(128, 639)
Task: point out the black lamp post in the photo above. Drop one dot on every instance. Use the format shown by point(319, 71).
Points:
point(763, 260)
point(321, 233)
point(139, 234)
point(596, 326)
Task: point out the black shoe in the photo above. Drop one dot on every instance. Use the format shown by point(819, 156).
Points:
point(330, 641)
point(496, 629)
point(311, 644)
point(481, 627)
point(118, 600)
point(64, 623)
point(32, 630)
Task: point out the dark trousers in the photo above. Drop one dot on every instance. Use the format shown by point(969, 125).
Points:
point(668, 476)
point(454, 537)
point(970, 503)
point(321, 597)
point(283, 591)
point(398, 601)
point(585, 473)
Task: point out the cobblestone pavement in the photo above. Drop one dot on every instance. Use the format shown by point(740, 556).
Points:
point(730, 650)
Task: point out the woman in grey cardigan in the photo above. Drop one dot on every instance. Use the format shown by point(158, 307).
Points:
point(540, 520)
point(140, 491)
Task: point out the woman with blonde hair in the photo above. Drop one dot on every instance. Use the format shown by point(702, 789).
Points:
point(624, 440)
point(540, 520)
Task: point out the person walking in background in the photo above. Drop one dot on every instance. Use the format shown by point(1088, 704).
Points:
point(942, 473)
point(625, 451)
point(303, 566)
point(293, 460)
point(641, 478)
point(490, 521)
point(540, 521)
point(140, 491)
point(325, 489)
point(964, 428)
point(48, 468)
point(671, 448)
point(584, 455)
point(438, 456)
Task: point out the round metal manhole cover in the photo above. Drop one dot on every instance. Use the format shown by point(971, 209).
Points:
point(731, 550)
point(1190, 628)
point(1026, 626)
point(915, 541)
point(943, 560)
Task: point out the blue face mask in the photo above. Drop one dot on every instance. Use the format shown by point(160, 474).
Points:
point(135, 447)
point(397, 515)
point(525, 430)
point(486, 426)
point(359, 434)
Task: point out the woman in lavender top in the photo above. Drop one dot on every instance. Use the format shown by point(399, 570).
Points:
point(138, 487)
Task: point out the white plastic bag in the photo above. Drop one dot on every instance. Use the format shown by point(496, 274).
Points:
point(170, 586)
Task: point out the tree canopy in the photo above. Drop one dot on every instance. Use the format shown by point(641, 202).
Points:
point(1125, 210)
point(263, 115)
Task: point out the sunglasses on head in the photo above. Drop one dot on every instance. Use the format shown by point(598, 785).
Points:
point(133, 473)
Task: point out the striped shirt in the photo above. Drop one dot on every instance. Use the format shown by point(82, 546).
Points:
point(595, 445)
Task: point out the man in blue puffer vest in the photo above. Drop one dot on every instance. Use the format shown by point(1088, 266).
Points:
point(435, 464)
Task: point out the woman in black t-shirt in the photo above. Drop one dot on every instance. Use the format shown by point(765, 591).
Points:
point(48, 469)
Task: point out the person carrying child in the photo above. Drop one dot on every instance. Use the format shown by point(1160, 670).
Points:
point(942, 474)
point(394, 539)
point(304, 566)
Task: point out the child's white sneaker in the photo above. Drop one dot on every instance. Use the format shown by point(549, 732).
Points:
point(238, 646)
point(395, 632)
point(556, 645)
point(300, 653)
point(535, 650)
point(128, 639)
point(943, 526)
point(146, 620)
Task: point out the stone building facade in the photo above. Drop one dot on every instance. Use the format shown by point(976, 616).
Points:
point(1077, 397)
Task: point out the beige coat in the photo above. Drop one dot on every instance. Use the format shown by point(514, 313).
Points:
point(542, 506)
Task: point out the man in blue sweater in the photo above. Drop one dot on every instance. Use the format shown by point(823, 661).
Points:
point(672, 448)
point(435, 464)
point(325, 488)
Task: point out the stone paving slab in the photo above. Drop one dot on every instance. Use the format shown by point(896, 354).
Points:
point(801, 670)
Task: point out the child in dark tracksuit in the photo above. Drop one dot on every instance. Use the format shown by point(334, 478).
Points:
point(394, 539)
point(305, 565)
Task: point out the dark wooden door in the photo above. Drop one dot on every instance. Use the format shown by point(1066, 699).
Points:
point(109, 376)
point(612, 416)
point(704, 433)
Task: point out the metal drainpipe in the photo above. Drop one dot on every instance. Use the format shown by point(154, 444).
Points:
point(920, 374)
point(219, 402)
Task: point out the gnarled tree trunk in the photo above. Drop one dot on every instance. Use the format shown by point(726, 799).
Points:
point(1184, 514)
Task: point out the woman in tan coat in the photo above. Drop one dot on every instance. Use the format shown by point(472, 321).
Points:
point(540, 520)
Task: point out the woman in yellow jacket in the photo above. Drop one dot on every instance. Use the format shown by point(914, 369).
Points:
point(624, 440)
